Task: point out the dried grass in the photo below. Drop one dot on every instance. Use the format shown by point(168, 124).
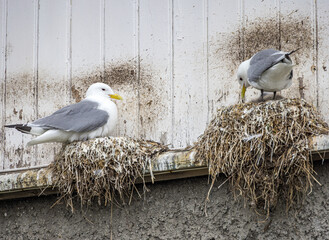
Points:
point(263, 150)
point(102, 168)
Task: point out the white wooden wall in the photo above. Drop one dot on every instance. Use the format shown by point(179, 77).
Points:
point(173, 61)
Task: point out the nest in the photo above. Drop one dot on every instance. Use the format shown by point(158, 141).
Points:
point(263, 150)
point(102, 168)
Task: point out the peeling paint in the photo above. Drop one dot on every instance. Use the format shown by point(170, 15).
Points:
point(24, 180)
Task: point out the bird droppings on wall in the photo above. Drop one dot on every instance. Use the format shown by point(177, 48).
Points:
point(290, 33)
point(133, 82)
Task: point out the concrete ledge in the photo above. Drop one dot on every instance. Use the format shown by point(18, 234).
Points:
point(169, 165)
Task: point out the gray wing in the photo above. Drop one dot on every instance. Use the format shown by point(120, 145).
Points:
point(262, 61)
point(80, 117)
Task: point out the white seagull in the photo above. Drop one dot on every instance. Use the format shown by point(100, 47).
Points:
point(95, 116)
point(269, 70)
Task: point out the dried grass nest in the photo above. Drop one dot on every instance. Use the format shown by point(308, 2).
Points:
point(263, 150)
point(100, 167)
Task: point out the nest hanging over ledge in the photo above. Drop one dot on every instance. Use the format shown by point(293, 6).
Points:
point(263, 150)
point(100, 167)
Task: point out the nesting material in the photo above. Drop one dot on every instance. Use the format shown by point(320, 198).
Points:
point(103, 167)
point(263, 150)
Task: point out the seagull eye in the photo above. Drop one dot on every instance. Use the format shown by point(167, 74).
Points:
point(241, 79)
point(103, 89)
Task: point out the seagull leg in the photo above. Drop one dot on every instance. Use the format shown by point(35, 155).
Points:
point(262, 94)
point(274, 94)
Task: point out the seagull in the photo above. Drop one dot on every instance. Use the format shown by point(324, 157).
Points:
point(269, 70)
point(95, 116)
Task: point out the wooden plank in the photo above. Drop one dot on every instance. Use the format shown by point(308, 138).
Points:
point(3, 30)
point(297, 30)
point(224, 50)
point(121, 61)
point(190, 84)
point(87, 57)
point(52, 67)
point(20, 82)
point(156, 70)
point(323, 57)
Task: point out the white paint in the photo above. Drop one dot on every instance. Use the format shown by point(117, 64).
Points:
point(3, 29)
point(54, 45)
point(306, 56)
point(20, 83)
point(190, 72)
point(121, 38)
point(52, 65)
point(156, 47)
point(223, 20)
point(323, 58)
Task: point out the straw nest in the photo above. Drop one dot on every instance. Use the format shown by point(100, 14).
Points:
point(263, 150)
point(103, 168)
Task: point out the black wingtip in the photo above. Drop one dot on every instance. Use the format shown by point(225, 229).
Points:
point(13, 125)
point(293, 51)
point(20, 127)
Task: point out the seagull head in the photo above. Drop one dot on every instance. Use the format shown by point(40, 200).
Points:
point(102, 89)
point(243, 76)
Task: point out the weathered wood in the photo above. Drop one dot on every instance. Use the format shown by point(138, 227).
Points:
point(20, 92)
point(3, 29)
point(53, 80)
point(121, 62)
point(168, 166)
point(185, 52)
point(87, 58)
point(323, 57)
point(224, 18)
point(156, 78)
point(304, 79)
point(190, 83)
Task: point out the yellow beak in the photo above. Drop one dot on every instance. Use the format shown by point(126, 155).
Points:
point(243, 91)
point(116, 96)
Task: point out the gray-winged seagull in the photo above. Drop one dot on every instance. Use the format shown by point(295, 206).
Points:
point(269, 70)
point(95, 116)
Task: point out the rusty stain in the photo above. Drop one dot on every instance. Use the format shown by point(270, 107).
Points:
point(9, 49)
point(76, 94)
point(301, 87)
point(20, 114)
point(313, 68)
point(20, 91)
point(18, 151)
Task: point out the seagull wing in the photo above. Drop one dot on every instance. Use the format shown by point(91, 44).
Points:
point(79, 117)
point(264, 60)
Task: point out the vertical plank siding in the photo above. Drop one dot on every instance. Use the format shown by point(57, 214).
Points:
point(322, 44)
point(20, 91)
point(3, 30)
point(173, 61)
point(53, 81)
